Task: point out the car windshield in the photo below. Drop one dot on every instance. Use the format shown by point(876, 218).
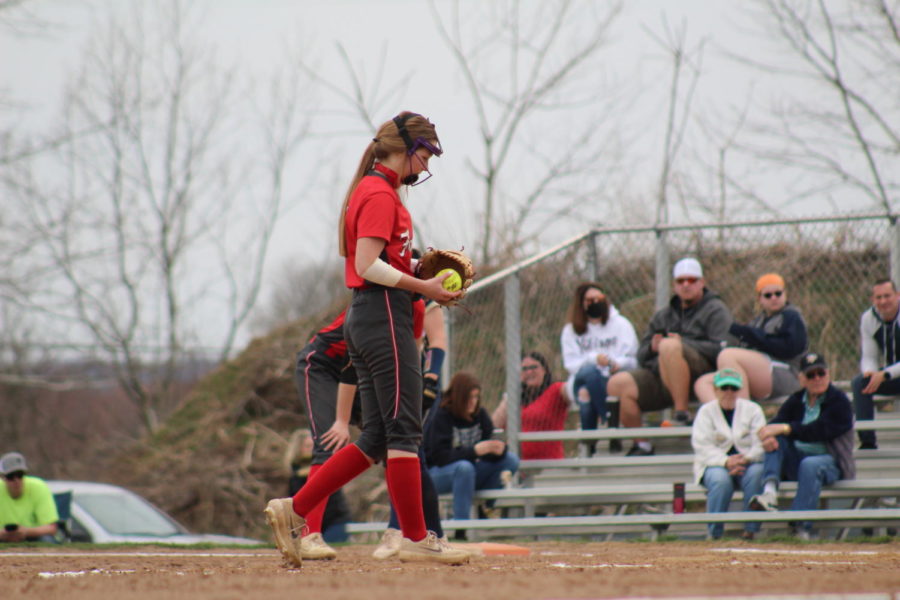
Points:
point(124, 514)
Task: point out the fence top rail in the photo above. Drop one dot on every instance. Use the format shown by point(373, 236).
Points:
point(662, 227)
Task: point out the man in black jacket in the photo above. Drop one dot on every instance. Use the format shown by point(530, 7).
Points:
point(809, 441)
point(681, 343)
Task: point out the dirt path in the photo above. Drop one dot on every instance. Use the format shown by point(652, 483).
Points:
point(553, 570)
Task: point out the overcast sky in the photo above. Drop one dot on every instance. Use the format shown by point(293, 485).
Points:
point(257, 34)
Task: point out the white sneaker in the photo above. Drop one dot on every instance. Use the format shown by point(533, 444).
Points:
point(389, 544)
point(766, 501)
point(431, 549)
point(287, 527)
point(314, 547)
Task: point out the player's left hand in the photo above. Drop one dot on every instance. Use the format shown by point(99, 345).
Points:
point(429, 390)
point(336, 437)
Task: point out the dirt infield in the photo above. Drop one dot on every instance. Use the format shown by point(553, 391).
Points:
point(553, 570)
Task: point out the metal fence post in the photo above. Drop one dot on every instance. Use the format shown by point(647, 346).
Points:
point(512, 324)
point(894, 257)
point(447, 368)
point(592, 251)
point(663, 285)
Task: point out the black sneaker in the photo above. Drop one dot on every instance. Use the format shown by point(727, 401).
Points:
point(638, 451)
point(683, 418)
point(615, 446)
point(868, 446)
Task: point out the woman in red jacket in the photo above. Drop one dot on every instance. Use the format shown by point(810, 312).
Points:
point(544, 407)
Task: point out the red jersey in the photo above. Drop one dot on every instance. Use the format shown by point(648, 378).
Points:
point(330, 339)
point(547, 413)
point(418, 318)
point(375, 211)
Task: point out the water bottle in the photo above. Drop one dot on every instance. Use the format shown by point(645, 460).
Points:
point(678, 498)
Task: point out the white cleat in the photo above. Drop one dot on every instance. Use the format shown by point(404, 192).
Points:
point(314, 547)
point(389, 545)
point(431, 549)
point(287, 527)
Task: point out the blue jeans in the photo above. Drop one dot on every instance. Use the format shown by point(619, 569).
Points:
point(720, 488)
point(811, 472)
point(336, 533)
point(864, 404)
point(463, 478)
point(590, 377)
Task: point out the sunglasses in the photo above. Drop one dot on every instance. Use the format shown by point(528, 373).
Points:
point(815, 373)
point(729, 388)
point(530, 368)
point(16, 475)
point(687, 280)
point(776, 293)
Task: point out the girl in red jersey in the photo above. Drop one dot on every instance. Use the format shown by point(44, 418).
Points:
point(376, 240)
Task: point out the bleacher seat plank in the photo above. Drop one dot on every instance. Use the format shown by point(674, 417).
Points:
point(857, 518)
point(663, 432)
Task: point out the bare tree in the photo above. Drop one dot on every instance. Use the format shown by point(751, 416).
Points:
point(843, 130)
point(165, 210)
point(301, 290)
point(518, 65)
point(307, 287)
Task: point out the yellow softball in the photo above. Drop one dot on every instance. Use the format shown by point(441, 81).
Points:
point(452, 283)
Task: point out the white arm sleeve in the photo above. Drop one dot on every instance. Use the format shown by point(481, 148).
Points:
point(382, 273)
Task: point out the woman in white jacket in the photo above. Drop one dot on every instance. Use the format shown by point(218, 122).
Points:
point(727, 449)
point(596, 342)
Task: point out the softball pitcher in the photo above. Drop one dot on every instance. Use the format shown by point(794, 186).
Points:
point(375, 236)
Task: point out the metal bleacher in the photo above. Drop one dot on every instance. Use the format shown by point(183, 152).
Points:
point(613, 494)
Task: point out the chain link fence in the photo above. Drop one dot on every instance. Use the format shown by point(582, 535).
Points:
point(829, 266)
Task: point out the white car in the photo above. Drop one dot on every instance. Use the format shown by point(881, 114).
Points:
point(102, 513)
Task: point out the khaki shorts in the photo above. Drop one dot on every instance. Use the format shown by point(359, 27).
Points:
point(784, 380)
point(653, 395)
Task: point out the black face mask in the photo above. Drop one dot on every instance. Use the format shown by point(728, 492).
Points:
point(598, 310)
point(410, 179)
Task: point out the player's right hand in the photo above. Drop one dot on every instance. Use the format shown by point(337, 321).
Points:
point(434, 289)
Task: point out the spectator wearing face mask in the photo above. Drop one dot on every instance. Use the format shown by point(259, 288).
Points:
point(597, 342)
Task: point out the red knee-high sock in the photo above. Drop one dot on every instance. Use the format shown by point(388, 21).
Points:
point(343, 466)
point(315, 516)
point(405, 488)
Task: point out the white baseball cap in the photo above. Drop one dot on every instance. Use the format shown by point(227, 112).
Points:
point(687, 267)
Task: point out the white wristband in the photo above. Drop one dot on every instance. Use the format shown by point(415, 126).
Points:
point(382, 273)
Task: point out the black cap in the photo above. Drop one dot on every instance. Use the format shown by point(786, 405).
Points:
point(812, 360)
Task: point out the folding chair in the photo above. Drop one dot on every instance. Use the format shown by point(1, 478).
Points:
point(64, 510)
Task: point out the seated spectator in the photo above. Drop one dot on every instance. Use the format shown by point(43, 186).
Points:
point(809, 441)
point(27, 509)
point(771, 346)
point(681, 343)
point(543, 404)
point(879, 363)
point(727, 449)
point(462, 456)
point(596, 342)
